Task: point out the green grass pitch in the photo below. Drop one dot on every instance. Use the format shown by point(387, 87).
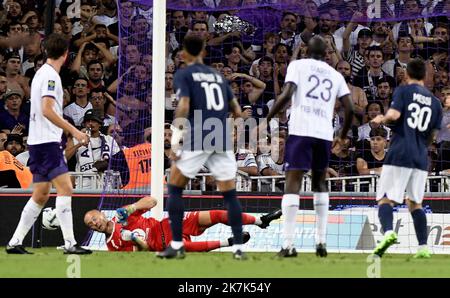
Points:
point(49, 262)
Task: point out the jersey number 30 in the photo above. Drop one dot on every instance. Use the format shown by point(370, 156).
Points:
point(420, 117)
point(214, 97)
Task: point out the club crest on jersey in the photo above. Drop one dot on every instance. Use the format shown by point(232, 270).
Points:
point(51, 85)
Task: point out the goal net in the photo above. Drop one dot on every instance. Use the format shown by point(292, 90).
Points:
point(251, 43)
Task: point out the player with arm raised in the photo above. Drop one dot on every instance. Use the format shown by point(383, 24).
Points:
point(205, 99)
point(416, 114)
point(313, 87)
point(46, 161)
point(129, 230)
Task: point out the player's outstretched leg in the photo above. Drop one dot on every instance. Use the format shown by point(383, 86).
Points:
point(385, 214)
point(212, 217)
point(268, 218)
point(204, 246)
point(176, 209)
point(29, 215)
point(221, 216)
point(420, 225)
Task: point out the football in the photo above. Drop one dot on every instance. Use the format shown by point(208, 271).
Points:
point(49, 219)
point(140, 234)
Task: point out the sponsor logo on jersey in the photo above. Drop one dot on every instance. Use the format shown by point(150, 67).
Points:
point(51, 85)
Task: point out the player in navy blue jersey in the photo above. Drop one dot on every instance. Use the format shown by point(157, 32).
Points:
point(201, 120)
point(416, 115)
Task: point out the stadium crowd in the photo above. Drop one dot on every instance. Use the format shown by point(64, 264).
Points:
point(371, 54)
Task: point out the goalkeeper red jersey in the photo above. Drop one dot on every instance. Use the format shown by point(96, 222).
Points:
point(157, 233)
point(154, 232)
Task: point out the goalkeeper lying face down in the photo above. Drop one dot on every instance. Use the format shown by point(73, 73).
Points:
point(128, 230)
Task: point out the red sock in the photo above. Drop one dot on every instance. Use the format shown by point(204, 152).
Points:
point(221, 216)
point(201, 246)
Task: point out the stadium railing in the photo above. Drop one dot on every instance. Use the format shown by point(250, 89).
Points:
point(244, 182)
point(343, 184)
point(97, 181)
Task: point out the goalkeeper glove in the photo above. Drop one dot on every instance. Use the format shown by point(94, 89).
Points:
point(123, 213)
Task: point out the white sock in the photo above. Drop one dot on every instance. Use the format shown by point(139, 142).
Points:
point(176, 244)
point(29, 215)
point(258, 221)
point(423, 247)
point(387, 233)
point(63, 208)
point(224, 243)
point(237, 247)
point(289, 207)
point(321, 205)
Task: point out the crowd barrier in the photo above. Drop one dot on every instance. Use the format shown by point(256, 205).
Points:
point(353, 221)
point(246, 183)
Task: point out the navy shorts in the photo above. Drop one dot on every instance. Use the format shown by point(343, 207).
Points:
point(46, 162)
point(306, 153)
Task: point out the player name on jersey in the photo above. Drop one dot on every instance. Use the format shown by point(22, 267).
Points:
point(207, 77)
point(319, 69)
point(317, 111)
point(142, 152)
point(209, 97)
point(425, 100)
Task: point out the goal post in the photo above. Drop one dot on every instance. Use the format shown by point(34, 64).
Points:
point(158, 82)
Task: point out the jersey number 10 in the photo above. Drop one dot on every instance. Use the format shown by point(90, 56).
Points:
point(214, 96)
point(420, 117)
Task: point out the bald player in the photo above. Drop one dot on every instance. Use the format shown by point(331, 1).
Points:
point(313, 87)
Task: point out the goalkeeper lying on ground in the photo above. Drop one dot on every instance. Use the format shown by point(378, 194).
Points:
point(128, 230)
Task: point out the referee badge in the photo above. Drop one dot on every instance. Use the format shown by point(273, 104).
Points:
point(51, 85)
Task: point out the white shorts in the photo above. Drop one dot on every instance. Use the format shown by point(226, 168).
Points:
point(394, 181)
point(221, 165)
